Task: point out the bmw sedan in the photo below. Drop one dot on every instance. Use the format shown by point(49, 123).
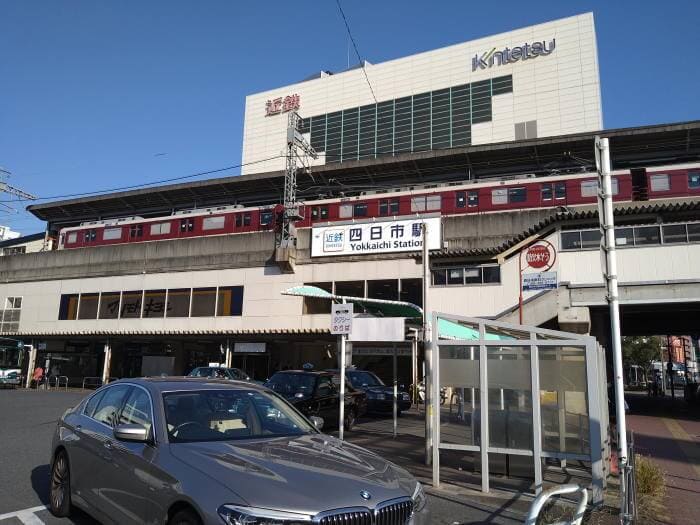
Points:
point(192, 451)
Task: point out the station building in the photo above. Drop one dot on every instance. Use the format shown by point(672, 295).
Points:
point(498, 156)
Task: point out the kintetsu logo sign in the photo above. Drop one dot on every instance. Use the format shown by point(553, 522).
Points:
point(511, 55)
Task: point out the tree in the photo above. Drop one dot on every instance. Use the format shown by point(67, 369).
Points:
point(641, 351)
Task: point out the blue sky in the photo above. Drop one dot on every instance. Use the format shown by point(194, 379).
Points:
point(97, 94)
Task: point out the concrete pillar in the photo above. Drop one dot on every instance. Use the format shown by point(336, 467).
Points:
point(31, 365)
point(107, 363)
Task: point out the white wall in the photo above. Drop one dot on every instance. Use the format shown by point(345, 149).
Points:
point(561, 90)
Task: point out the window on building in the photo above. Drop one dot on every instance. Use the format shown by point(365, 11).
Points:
point(461, 199)
point(213, 223)
point(659, 182)
point(439, 276)
point(499, 196)
point(590, 239)
point(186, 225)
point(111, 234)
point(693, 231)
point(560, 190)
point(547, 191)
point(350, 288)
point(645, 235)
point(13, 303)
point(136, 231)
point(570, 240)
point(109, 305)
point(694, 180)
point(467, 275)
point(90, 235)
point(154, 304)
point(178, 303)
point(68, 307)
point(412, 291)
point(72, 238)
point(472, 199)
point(526, 130)
point(266, 218)
point(389, 207)
point(472, 275)
point(345, 211)
point(88, 306)
point(455, 276)
point(624, 237)
point(131, 304)
point(318, 306)
point(230, 301)
point(160, 228)
point(203, 302)
point(674, 233)
point(14, 250)
point(589, 188)
point(360, 210)
point(383, 289)
point(491, 274)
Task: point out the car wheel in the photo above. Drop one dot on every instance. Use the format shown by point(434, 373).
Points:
point(349, 420)
point(59, 496)
point(185, 517)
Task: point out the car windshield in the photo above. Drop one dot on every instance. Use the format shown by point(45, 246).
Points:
point(203, 371)
point(292, 384)
point(231, 414)
point(362, 378)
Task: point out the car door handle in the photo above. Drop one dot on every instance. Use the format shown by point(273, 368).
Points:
point(108, 445)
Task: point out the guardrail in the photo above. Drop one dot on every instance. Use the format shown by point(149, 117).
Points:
point(58, 380)
point(544, 496)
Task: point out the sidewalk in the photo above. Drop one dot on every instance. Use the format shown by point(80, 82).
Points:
point(669, 433)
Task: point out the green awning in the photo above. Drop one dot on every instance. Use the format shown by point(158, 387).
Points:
point(450, 330)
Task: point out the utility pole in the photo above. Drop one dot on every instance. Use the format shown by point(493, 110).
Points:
point(298, 151)
point(607, 229)
point(428, 354)
point(669, 368)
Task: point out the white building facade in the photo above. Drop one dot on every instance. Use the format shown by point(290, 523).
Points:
point(537, 81)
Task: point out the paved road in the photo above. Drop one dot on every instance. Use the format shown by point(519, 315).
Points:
point(670, 434)
point(27, 421)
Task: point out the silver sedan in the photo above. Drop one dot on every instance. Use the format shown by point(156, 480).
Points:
point(201, 451)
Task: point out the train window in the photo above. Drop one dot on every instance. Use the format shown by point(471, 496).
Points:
point(246, 219)
point(161, 228)
point(186, 225)
point(135, 231)
point(239, 220)
point(659, 182)
point(265, 218)
point(547, 192)
point(72, 237)
point(213, 223)
point(560, 190)
point(674, 233)
point(473, 199)
point(423, 203)
point(614, 185)
point(319, 213)
point(360, 210)
point(90, 235)
point(694, 180)
point(345, 211)
point(389, 207)
point(517, 194)
point(499, 196)
point(589, 188)
point(461, 199)
point(570, 240)
point(110, 234)
point(418, 204)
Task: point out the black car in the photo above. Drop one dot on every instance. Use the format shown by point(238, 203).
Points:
point(380, 397)
point(316, 394)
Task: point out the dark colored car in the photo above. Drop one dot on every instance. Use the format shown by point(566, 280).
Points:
point(317, 394)
point(380, 397)
point(200, 451)
point(234, 374)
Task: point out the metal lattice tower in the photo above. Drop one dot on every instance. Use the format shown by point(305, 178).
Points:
point(298, 153)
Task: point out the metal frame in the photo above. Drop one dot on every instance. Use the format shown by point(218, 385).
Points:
point(595, 400)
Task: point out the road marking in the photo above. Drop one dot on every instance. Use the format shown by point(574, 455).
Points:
point(26, 516)
point(688, 446)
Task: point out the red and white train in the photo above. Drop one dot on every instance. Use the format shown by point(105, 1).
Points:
point(455, 198)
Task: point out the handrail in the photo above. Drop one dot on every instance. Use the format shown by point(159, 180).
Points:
point(60, 379)
point(544, 496)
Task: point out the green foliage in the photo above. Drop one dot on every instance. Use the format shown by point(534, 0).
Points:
point(641, 351)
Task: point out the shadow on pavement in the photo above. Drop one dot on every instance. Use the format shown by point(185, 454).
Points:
point(40, 482)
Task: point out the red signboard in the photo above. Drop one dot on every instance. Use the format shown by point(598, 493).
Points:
point(538, 256)
point(282, 105)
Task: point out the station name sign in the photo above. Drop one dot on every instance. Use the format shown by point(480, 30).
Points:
point(279, 105)
point(375, 237)
point(511, 55)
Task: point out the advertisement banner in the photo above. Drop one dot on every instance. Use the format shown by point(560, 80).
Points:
point(539, 281)
point(375, 237)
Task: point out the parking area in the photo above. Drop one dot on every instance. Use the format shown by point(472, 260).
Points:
point(28, 419)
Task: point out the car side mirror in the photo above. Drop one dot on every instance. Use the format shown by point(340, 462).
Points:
point(318, 422)
point(133, 433)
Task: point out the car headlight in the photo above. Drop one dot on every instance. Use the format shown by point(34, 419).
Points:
point(239, 515)
point(419, 499)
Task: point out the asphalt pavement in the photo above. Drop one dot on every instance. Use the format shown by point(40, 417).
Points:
point(27, 422)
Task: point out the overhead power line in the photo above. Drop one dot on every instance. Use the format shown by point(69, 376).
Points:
point(357, 52)
point(147, 184)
